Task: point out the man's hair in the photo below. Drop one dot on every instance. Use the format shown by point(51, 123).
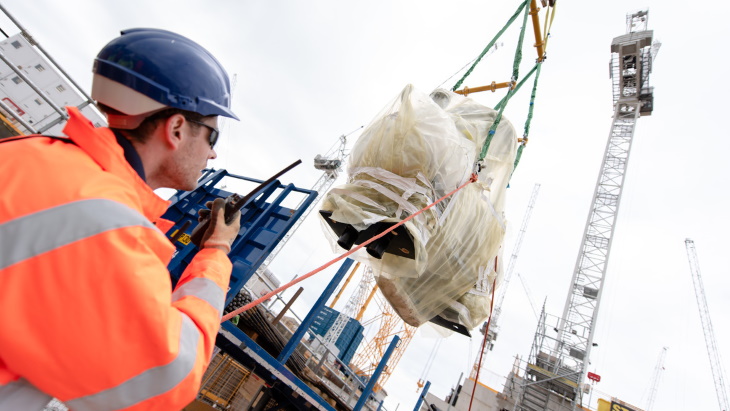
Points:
point(142, 133)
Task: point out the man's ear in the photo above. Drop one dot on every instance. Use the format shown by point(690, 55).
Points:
point(173, 130)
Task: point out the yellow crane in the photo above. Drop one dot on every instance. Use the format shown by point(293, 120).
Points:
point(388, 324)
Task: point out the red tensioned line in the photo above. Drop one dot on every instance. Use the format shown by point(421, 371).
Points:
point(484, 343)
point(311, 273)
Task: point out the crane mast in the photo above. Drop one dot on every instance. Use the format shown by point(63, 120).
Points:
point(633, 99)
point(331, 165)
point(718, 375)
point(561, 369)
point(656, 378)
point(388, 324)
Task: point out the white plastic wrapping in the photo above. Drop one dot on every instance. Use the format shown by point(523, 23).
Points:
point(417, 150)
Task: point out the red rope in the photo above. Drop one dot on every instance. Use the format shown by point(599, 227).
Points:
point(365, 243)
point(484, 342)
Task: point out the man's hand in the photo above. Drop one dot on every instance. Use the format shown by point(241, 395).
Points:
point(219, 234)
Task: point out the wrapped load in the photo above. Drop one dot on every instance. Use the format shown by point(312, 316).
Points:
point(442, 264)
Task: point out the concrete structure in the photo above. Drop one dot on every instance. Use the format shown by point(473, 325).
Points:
point(485, 399)
point(489, 399)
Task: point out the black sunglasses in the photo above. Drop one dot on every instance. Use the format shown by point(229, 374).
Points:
point(214, 133)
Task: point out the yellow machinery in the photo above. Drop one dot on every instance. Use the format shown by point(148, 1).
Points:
point(7, 128)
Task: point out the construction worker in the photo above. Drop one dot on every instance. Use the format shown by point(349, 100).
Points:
point(87, 311)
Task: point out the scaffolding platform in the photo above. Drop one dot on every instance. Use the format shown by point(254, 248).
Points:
point(557, 383)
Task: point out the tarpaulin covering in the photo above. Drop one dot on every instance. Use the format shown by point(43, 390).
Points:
point(418, 149)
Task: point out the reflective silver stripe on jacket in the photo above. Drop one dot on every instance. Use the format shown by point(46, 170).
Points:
point(22, 395)
point(203, 288)
point(150, 383)
point(28, 236)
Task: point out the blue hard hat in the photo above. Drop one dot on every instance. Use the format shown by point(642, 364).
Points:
point(169, 69)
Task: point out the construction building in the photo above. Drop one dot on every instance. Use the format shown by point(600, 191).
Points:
point(34, 91)
point(350, 336)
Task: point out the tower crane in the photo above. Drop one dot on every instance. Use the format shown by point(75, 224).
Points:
point(529, 294)
point(656, 377)
point(331, 165)
point(557, 366)
point(718, 375)
point(494, 326)
point(368, 356)
point(389, 324)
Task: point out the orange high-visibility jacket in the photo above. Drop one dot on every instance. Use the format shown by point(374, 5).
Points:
point(87, 310)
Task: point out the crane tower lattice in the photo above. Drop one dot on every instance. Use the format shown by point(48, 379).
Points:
point(388, 324)
point(656, 377)
point(557, 366)
point(718, 374)
point(331, 165)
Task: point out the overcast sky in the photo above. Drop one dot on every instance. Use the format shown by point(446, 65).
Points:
point(308, 72)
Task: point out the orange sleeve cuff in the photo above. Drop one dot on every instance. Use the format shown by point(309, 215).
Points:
point(210, 263)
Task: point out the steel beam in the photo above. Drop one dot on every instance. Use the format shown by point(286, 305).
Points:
point(422, 396)
point(376, 375)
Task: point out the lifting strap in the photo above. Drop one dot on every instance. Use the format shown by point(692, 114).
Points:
point(512, 89)
point(489, 46)
point(549, 17)
point(535, 70)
